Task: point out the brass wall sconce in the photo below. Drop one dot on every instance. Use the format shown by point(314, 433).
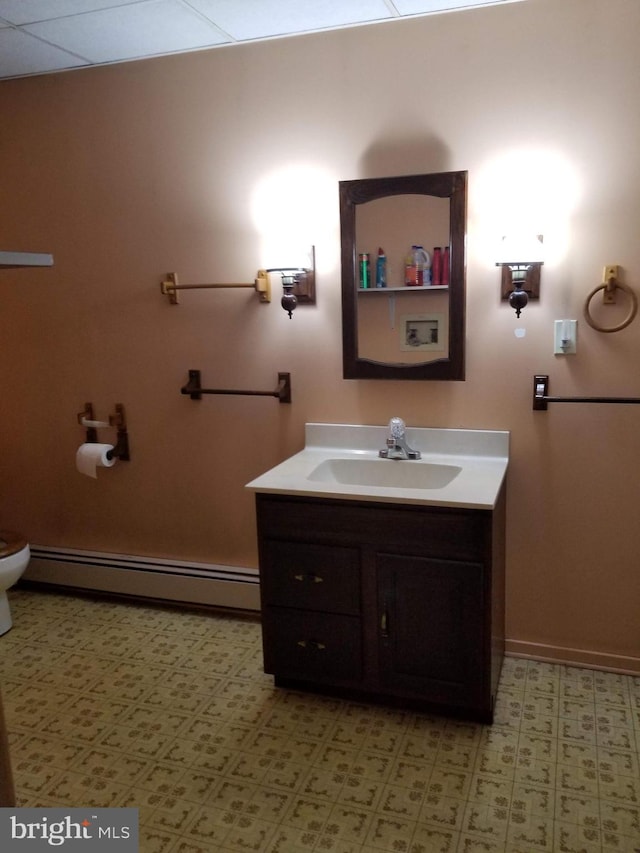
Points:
point(520, 278)
point(298, 284)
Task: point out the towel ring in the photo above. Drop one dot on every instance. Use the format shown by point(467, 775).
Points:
point(608, 286)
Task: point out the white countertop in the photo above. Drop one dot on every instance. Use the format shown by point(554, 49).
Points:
point(481, 455)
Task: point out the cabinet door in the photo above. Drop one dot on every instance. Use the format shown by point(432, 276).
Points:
point(430, 622)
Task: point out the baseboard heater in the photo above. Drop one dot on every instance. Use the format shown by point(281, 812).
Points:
point(147, 577)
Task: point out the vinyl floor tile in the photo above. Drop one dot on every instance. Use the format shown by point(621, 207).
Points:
point(167, 709)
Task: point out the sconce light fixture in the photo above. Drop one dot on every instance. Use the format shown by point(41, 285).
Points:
point(298, 284)
point(521, 262)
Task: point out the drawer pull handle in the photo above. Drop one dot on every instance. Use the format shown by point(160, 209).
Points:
point(311, 644)
point(314, 578)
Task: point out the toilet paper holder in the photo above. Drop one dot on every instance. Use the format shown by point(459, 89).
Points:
point(118, 420)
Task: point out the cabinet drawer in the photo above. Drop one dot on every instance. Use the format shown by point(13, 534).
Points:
point(312, 646)
point(309, 576)
point(456, 534)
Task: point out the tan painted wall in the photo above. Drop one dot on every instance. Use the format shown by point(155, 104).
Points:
point(130, 171)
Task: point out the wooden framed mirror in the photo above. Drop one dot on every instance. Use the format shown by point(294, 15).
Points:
point(400, 332)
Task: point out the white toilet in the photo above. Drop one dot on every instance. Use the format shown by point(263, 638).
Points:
point(14, 559)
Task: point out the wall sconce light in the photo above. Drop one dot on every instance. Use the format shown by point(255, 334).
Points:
point(298, 284)
point(520, 278)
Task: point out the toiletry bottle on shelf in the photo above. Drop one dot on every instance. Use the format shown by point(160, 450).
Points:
point(365, 270)
point(445, 266)
point(417, 270)
point(424, 267)
point(436, 266)
point(410, 270)
point(381, 269)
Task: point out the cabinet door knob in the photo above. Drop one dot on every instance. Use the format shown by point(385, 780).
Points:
point(384, 624)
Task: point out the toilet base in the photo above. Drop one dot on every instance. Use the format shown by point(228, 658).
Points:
point(5, 614)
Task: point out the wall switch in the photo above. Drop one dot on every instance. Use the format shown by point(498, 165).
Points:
point(565, 333)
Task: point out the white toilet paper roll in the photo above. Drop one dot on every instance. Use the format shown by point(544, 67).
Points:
point(93, 455)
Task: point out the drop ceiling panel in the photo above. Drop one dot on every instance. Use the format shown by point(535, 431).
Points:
point(21, 54)
point(39, 36)
point(29, 11)
point(127, 32)
point(422, 7)
point(252, 19)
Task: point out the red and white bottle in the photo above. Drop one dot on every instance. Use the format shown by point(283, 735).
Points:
point(445, 266)
point(436, 266)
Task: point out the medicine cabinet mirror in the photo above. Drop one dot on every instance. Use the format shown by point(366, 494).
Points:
point(398, 331)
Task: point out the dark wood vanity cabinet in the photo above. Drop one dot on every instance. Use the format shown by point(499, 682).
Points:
point(403, 604)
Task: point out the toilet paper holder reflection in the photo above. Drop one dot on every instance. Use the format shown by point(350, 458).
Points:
point(118, 420)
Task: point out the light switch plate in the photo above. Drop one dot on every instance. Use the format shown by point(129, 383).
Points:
point(565, 333)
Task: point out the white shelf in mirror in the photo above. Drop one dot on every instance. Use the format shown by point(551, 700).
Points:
point(404, 289)
point(15, 260)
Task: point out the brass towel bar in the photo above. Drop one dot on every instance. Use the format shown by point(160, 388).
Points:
point(194, 389)
point(170, 287)
point(298, 284)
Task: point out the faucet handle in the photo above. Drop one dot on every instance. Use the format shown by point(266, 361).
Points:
point(397, 428)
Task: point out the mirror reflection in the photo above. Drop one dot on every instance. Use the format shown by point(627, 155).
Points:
point(406, 321)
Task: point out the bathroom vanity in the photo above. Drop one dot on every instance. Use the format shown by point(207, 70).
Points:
point(384, 579)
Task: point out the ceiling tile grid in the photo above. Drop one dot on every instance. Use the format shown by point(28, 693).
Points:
point(42, 36)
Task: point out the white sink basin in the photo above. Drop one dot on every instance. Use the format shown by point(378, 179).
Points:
point(458, 468)
point(386, 473)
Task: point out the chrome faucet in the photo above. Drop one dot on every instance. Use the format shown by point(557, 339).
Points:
point(397, 447)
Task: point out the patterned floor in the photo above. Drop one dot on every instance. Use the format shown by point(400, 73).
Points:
point(121, 704)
